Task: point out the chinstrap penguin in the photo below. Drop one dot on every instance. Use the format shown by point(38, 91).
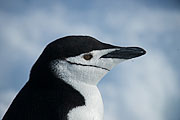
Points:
point(62, 83)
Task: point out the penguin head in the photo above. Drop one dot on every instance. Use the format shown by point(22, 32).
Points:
point(83, 58)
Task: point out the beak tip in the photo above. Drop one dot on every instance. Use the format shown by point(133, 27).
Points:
point(142, 51)
point(137, 52)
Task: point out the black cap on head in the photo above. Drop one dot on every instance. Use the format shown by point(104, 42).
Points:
point(72, 46)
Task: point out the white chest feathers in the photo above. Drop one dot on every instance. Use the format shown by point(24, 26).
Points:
point(93, 108)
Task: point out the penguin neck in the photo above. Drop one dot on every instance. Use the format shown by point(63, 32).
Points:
point(93, 101)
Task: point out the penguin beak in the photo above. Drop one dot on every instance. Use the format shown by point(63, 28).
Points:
point(125, 53)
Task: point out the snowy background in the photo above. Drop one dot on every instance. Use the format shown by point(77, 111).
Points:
point(145, 88)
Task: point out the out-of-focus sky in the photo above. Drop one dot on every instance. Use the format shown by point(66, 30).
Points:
point(145, 88)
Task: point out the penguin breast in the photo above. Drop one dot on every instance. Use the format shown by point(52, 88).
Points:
point(93, 108)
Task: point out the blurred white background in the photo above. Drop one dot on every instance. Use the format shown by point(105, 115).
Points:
point(145, 88)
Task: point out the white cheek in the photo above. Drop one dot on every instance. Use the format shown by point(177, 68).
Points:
point(72, 72)
point(88, 71)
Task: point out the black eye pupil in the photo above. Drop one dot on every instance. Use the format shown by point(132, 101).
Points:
point(87, 56)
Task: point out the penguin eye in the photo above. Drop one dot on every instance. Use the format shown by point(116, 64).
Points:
point(87, 56)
